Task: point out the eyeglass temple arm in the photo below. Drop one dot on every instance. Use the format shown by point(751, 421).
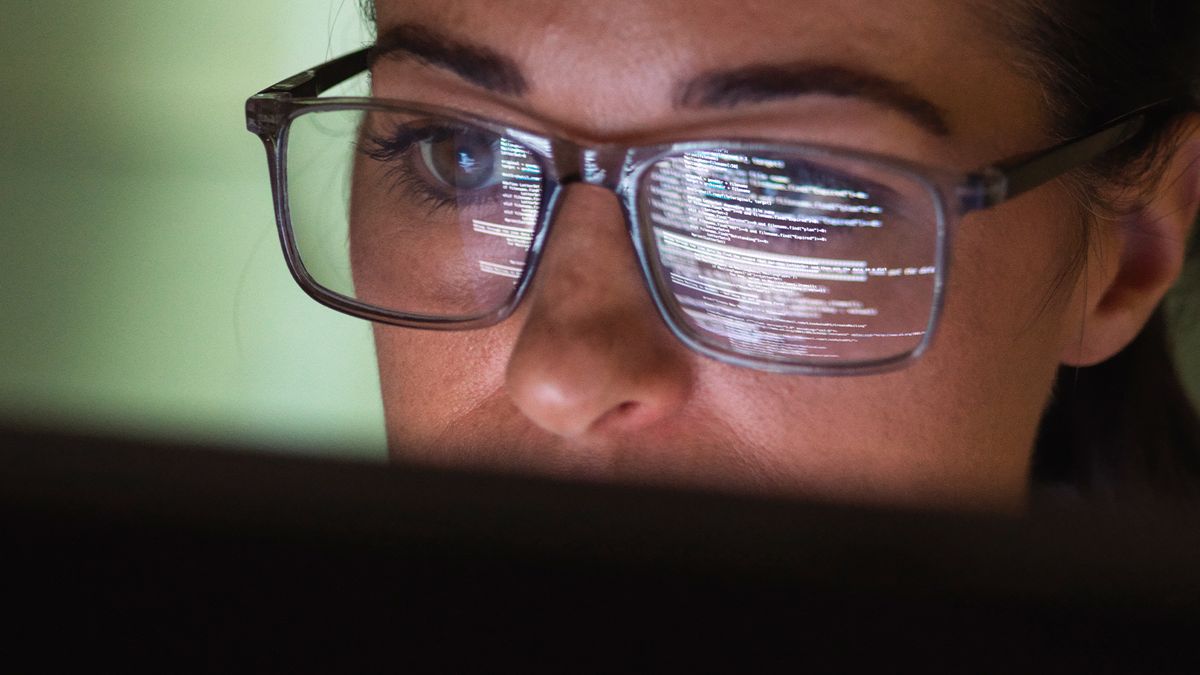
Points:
point(314, 81)
point(261, 110)
point(1017, 176)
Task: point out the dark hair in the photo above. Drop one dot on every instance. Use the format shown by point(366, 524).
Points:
point(1126, 427)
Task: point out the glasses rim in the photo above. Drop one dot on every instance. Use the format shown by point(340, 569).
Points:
point(270, 114)
point(987, 186)
point(622, 175)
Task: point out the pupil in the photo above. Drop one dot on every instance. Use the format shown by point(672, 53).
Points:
point(465, 160)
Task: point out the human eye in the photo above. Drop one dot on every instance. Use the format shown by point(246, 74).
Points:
point(438, 162)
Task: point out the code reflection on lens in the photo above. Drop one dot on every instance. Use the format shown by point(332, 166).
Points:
point(425, 216)
point(794, 259)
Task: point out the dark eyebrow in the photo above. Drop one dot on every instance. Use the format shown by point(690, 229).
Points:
point(496, 72)
point(474, 63)
point(762, 83)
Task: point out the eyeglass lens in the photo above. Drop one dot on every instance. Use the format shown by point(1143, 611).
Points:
point(793, 258)
point(773, 255)
point(409, 213)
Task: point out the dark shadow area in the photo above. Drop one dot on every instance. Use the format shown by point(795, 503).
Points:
point(192, 559)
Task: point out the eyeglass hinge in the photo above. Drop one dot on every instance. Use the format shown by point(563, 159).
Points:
point(982, 190)
point(265, 113)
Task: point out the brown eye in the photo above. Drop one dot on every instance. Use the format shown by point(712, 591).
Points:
point(463, 159)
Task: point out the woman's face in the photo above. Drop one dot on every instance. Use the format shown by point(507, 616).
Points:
point(586, 380)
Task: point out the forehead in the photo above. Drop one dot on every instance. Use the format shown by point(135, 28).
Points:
point(618, 60)
point(710, 28)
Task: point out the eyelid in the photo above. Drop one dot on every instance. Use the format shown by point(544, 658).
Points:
point(398, 150)
point(540, 141)
point(777, 125)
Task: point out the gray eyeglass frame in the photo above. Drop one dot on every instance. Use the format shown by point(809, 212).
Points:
point(269, 114)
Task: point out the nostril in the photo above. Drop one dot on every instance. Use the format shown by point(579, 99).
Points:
point(621, 417)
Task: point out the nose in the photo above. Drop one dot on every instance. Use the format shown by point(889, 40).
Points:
point(593, 358)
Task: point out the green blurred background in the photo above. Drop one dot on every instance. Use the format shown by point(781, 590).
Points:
point(142, 291)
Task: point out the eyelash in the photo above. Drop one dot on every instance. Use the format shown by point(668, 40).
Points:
point(398, 149)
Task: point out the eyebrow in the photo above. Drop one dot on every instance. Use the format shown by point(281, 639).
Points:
point(730, 88)
point(474, 63)
point(762, 83)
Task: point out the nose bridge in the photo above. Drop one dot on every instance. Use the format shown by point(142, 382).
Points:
point(599, 165)
point(592, 360)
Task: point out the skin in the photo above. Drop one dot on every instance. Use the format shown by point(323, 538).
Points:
point(585, 380)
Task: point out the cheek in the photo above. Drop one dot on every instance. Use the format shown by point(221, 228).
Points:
point(967, 411)
point(961, 420)
point(931, 433)
point(1008, 305)
point(1011, 278)
point(430, 379)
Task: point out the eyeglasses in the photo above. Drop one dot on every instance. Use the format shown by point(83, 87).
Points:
point(776, 256)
